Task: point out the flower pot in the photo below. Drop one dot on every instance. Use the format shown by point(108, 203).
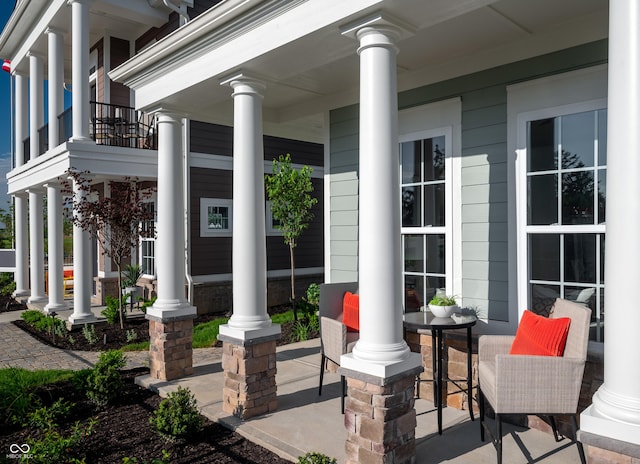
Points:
point(442, 311)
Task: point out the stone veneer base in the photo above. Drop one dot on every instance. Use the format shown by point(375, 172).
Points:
point(170, 350)
point(249, 376)
point(604, 450)
point(380, 418)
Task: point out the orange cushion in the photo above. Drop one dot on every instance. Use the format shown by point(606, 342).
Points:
point(351, 310)
point(540, 336)
point(68, 273)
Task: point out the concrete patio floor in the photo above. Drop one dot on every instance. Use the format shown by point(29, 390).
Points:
point(307, 422)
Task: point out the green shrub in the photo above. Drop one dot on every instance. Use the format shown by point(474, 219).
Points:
point(147, 303)
point(112, 311)
point(132, 335)
point(177, 415)
point(89, 333)
point(300, 331)
point(45, 418)
point(313, 294)
point(316, 458)
point(104, 383)
point(166, 456)
point(79, 379)
point(7, 284)
point(55, 447)
point(32, 316)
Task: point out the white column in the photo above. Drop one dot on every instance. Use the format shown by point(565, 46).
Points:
point(36, 246)
point(21, 274)
point(615, 412)
point(55, 82)
point(170, 243)
point(250, 319)
point(82, 269)
point(381, 349)
point(80, 69)
point(55, 247)
point(36, 102)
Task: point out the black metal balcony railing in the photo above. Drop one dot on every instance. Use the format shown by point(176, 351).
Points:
point(111, 125)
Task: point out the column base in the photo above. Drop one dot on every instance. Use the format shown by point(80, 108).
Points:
point(171, 350)
point(380, 418)
point(21, 293)
point(249, 377)
point(37, 299)
point(80, 320)
point(51, 307)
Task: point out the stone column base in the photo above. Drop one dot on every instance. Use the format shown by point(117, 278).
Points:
point(249, 377)
point(380, 418)
point(170, 350)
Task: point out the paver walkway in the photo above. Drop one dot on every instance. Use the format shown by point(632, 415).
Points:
point(19, 349)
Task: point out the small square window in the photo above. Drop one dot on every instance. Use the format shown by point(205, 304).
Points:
point(272, 223)
point(215, 217)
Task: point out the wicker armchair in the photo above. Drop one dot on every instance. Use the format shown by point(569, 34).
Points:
point(335, 340)
point(539, 385)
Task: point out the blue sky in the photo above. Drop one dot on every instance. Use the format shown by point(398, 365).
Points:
point(6, 7)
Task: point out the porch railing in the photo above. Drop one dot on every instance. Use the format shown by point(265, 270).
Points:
point(111, 125)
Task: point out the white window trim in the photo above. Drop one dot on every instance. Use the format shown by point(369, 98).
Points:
point(562, 94)
point(153, 200)
point(271, 231)
point(205, 203)
point(434, 119)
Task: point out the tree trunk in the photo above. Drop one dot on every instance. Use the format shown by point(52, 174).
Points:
point(119, 266)
point(293, 282)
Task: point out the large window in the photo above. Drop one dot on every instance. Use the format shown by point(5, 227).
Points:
point(424, 217)
point(565, 211)
point(148, 244)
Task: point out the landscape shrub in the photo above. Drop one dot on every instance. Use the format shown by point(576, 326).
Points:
point(54, 447)
point(89, 334)
point(316, 458)
point(104, 383)
point(47, 417)
point(112, 312)
point(177, 415)
point(7, 284)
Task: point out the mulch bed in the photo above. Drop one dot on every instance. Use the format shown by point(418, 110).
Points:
point(123, 430)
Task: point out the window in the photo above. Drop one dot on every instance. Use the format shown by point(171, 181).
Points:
point(147, 244)
point(215, 217)
point(565, 211)
point(271, 222)
point(425, 178)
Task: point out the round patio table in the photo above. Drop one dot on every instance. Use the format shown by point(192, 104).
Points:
point(425, 320)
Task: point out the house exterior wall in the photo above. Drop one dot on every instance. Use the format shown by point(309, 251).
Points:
point(120, 95)
point(486, 218)
point(211, 257)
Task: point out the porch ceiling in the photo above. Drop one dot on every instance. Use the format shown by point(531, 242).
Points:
point(318, 70)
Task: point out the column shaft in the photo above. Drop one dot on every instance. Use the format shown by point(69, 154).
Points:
point(55, 82)
point(80, 69)
point(82, 270)
point(21, 117)
point(36, 246)
point(615, 411)
point(55, 249)
point(36, 103)
point(250, 318)
point(170, 250)
point(21, 275)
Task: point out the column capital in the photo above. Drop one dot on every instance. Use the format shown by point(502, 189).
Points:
point(167, 114)
point(380, 22)
point(244, 83)
point(53, 30)
point(85, 2)
point(32, 54)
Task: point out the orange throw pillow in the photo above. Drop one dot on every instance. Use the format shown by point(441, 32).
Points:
point(351, 311)
point(540, 336)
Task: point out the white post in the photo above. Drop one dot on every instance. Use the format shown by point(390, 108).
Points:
point(56, 254)
point(36, 102)
point(80, 69)
point(36, 246)
point(615, 412)
point(250, 319)
point(82, 269)
point(55, 82)
point(170, 244)
point(381, 349)
point(21, 275)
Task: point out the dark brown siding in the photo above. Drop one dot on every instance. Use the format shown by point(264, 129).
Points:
point(157, 33)
point(211, 138)
point(100, 70)
point(210, 255)
point(120, 94)
point(218, 140)
point(310, 249)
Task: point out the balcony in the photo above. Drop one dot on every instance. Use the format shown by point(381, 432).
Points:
point(110, 125)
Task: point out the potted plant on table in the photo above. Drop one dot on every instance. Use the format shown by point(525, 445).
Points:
point(443, 305)
point(130, 277)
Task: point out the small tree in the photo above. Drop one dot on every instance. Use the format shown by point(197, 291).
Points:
point(289, 191)
point(115, 221)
